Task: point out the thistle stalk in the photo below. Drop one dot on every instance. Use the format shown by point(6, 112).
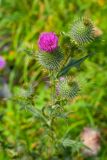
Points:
point(53, 84)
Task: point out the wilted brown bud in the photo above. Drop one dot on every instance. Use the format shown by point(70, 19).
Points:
point(97, 32)
point(91, 139)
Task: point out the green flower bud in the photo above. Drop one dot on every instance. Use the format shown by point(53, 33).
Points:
point(66, 88)
point(82, 31)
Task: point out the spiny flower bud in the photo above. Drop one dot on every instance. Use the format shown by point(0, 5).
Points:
point(67, 88)
point(82, 31)
point(91, 139)
point(2, 62)
point(48, 42)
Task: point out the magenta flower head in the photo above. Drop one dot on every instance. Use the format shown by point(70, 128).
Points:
point(48, 41)
point(2, 62)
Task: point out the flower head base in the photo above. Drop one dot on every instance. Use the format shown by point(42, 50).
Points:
point(50, 61)
point(48, 42)
point(2, 62)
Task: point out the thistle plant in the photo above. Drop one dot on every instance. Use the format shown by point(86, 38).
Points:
point(58, 58)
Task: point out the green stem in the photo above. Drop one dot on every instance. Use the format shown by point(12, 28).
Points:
point(53, 97)
point(53, 92)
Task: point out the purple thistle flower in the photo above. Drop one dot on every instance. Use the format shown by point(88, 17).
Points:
point(48, 41)
point(2, 62)
point(91, 139)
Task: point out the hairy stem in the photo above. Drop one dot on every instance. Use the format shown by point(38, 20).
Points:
point(53, 92)
point(53, 97)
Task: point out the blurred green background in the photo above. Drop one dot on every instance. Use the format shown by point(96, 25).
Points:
point(21, 22)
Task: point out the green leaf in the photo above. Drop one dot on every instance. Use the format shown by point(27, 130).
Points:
point(30, 52)
point(75, 145)
point(70, 143)
point(63, 115)
point(72, 63)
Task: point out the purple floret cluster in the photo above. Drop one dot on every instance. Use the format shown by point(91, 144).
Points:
point(48, 42)
point(2, 62)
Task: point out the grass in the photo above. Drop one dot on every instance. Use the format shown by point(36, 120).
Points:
point(20, 25)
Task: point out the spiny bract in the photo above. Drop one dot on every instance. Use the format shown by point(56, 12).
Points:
point(67, 88)
point(82, 31)
point(50, 61)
